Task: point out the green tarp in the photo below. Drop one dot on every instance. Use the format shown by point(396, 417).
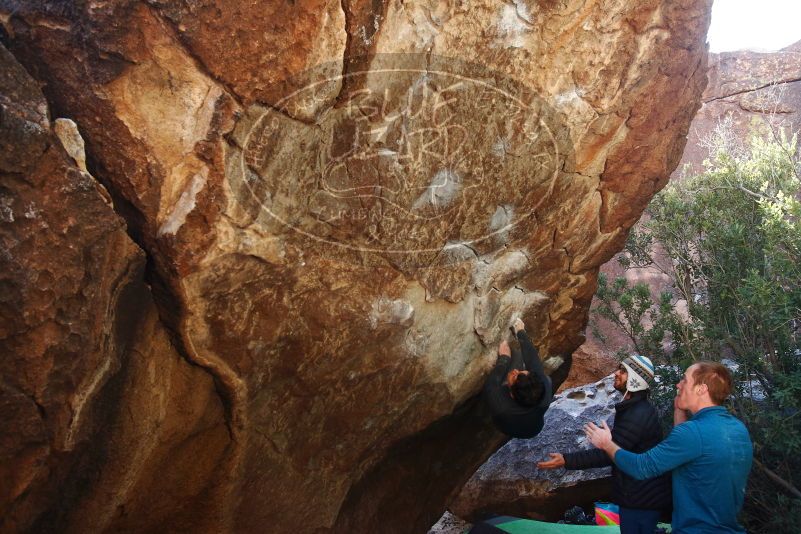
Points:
point(514, 525)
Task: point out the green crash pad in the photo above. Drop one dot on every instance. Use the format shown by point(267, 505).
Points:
point(514, 525)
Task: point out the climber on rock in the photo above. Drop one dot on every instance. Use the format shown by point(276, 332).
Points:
point(517, 391)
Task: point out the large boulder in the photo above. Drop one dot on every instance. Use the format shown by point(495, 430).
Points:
point(510, 483)
point(342, 205)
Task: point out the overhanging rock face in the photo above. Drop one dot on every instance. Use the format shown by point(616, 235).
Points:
point(99, 412)
point(342, 206)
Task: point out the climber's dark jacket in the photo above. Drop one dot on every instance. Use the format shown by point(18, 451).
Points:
point(510, 417)
point(636, 429)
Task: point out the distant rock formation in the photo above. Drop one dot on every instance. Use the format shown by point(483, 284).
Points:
point(748, 93)
point(333, 209)
point(751, 92)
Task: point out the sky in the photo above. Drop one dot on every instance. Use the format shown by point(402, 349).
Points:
point(763, 25)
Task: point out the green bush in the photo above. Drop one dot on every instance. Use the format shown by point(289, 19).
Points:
point(729, 241)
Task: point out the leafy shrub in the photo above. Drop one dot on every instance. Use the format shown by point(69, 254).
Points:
point(729, 241)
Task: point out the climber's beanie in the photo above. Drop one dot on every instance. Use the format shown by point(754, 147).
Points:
point(640, 370)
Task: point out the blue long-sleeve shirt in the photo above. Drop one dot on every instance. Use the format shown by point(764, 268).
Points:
point(710, 456)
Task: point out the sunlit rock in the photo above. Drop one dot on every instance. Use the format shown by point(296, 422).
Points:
point(317, 188)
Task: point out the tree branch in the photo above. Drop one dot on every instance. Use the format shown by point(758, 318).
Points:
point(778, 480)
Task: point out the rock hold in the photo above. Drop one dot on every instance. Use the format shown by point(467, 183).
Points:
point(71, 140)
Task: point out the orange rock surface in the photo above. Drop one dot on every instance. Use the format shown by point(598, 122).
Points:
point(337, 207)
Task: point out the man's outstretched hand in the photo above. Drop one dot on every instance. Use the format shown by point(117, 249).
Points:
point(503, 349)
point(601, 436)
point(556, 461)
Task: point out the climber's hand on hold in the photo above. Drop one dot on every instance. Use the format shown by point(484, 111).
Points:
point(518, 325)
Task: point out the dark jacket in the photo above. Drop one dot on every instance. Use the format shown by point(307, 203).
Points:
point(636, 429)
point(510, 417)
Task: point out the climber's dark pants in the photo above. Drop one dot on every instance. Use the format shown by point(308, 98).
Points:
point(634, 521)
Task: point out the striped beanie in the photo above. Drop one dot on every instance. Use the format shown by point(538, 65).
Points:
point(640, 370)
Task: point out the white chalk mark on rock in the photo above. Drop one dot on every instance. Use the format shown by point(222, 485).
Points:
point(443, 189)
point(386, 311)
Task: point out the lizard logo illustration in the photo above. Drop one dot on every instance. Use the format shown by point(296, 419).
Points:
point(406, 159)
